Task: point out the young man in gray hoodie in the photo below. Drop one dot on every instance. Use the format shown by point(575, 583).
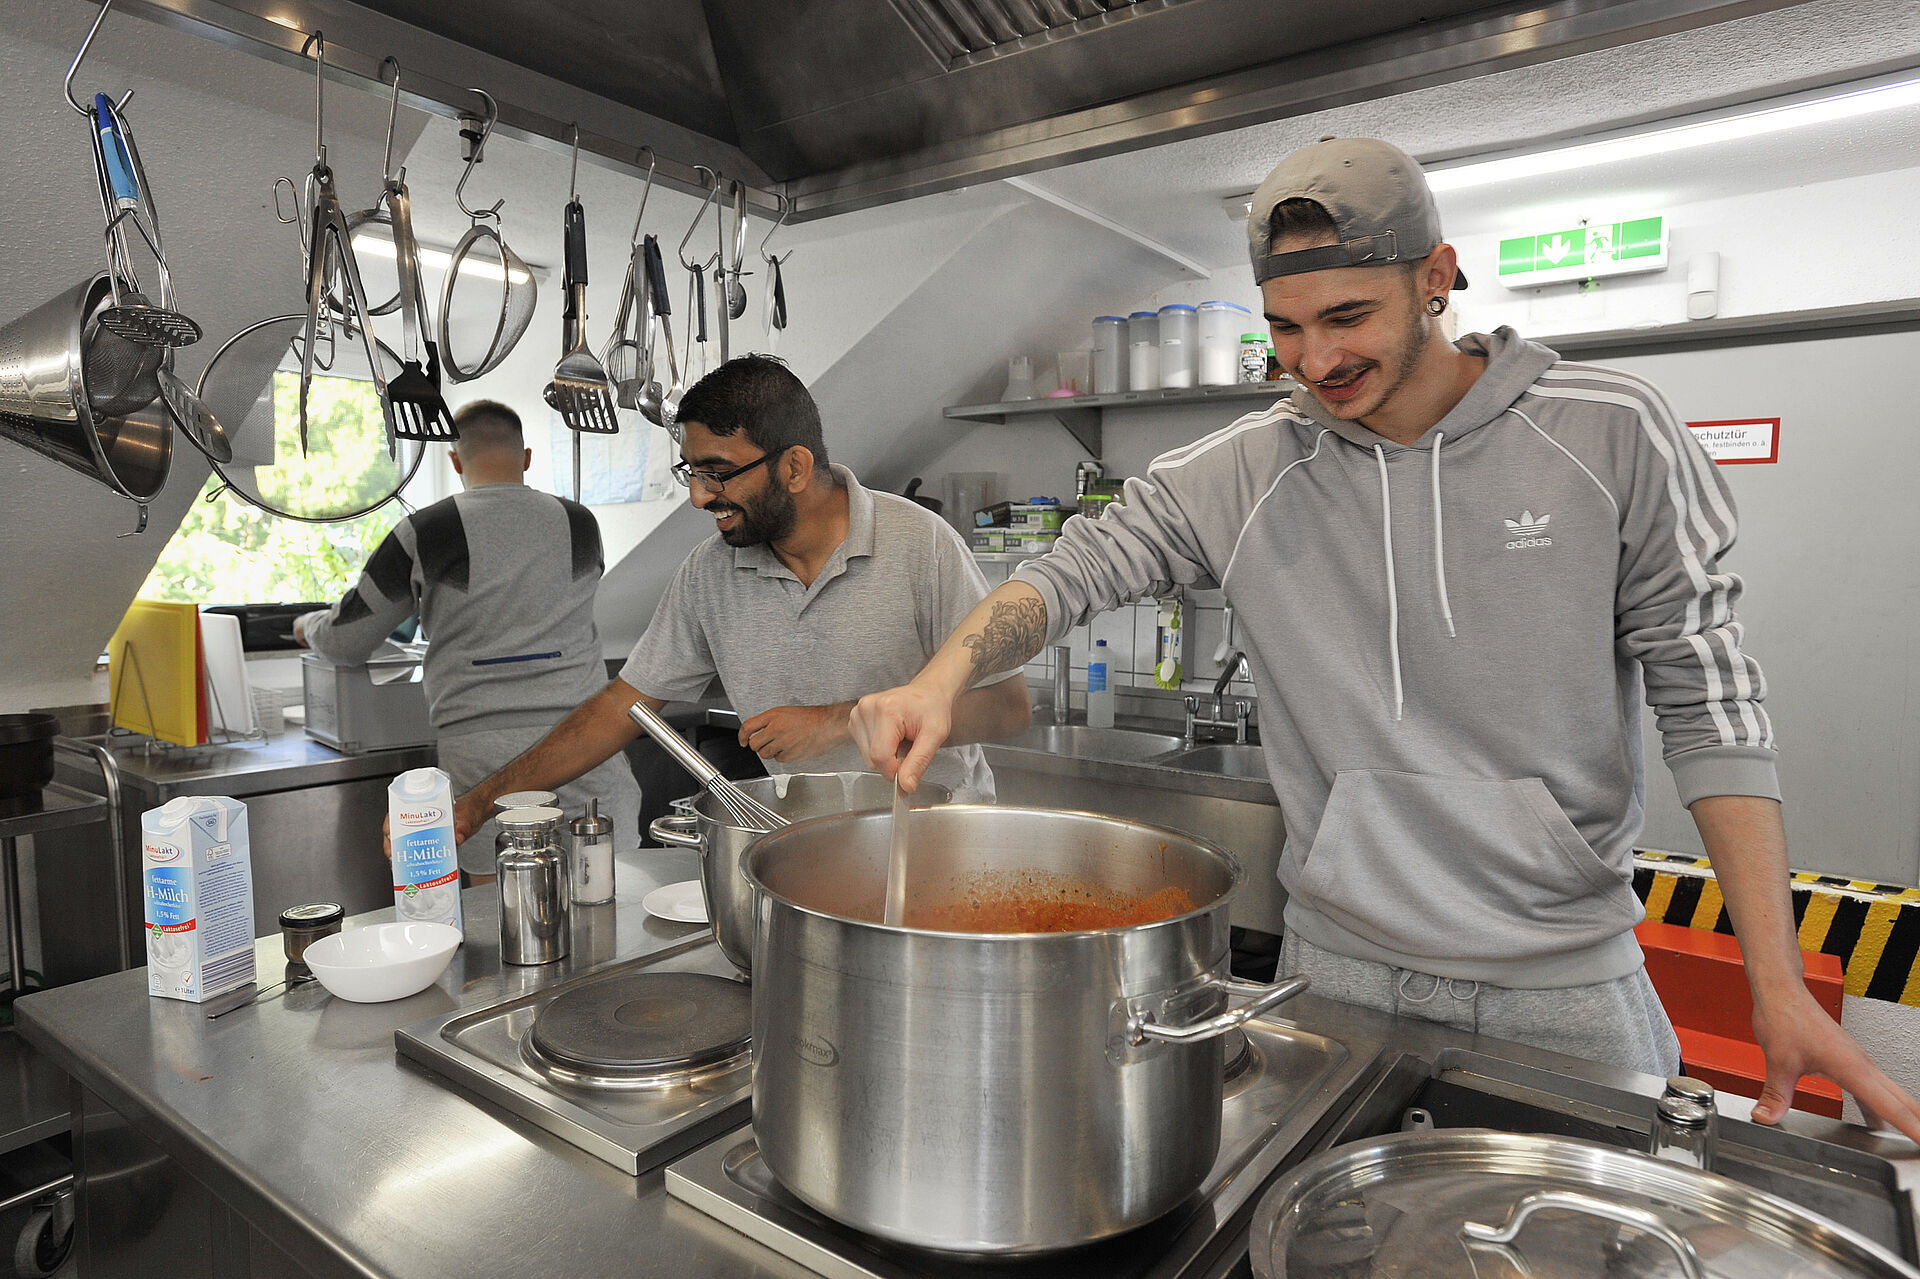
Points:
point(1460, 568)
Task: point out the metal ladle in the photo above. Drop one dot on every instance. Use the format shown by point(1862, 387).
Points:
point(736, 291)
point(658, 406)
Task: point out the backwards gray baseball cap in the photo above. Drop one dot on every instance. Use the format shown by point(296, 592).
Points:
point(1378, 198)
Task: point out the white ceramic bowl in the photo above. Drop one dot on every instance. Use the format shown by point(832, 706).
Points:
point(384, 961)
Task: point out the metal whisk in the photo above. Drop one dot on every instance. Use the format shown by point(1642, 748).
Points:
point(746, 811)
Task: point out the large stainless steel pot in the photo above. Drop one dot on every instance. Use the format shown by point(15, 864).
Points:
point(989, 1093)
point(722, 843)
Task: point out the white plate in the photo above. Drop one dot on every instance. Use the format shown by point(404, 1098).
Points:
point(683, 903)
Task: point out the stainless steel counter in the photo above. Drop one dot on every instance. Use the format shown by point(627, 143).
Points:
point(286, 761)
point(297, 1120)
point(314, 815)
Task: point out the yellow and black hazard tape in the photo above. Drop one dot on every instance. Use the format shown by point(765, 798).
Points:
point(1874, 929)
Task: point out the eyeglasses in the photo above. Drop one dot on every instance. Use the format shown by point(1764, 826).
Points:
point(714, 481)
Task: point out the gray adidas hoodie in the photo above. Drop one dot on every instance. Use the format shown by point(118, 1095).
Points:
point(1451, 642)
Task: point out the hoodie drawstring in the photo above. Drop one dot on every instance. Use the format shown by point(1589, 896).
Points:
point(1440, 537)
point(1393, 594)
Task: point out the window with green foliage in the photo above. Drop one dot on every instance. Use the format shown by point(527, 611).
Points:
point(228, 551)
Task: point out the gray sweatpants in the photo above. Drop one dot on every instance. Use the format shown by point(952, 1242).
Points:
point(471, 758)
point(1618, 1022)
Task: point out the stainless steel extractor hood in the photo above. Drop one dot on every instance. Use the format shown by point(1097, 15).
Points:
point(849, 103)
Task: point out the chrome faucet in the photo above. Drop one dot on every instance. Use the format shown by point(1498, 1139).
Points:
point(1235, 667)
point(1062, 683)
point(1242, 710)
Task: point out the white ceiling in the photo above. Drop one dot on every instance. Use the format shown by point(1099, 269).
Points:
point(1172, 194)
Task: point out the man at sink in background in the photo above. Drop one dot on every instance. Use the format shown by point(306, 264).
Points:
point(1456, 564)
point(503, 577)
point(812, 591)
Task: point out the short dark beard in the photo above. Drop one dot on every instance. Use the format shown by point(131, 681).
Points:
point(763, 520)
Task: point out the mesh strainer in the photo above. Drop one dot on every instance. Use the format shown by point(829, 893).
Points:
point(488, 294)
point(252, 386)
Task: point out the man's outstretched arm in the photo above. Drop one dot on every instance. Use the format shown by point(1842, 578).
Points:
point(1747, 843)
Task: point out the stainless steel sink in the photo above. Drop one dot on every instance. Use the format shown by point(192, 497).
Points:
point(1119, 744)
point(1228, 759)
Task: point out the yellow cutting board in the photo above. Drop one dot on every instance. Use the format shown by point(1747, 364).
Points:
point(157, 674)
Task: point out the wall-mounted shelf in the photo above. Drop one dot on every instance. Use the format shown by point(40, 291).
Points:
point(1083, 415)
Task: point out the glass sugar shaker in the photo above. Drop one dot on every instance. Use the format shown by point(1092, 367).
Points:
point(592, 856)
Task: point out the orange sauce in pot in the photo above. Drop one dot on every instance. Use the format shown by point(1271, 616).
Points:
point(1041, 902)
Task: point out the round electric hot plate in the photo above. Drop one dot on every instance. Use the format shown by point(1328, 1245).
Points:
point(646, 1024)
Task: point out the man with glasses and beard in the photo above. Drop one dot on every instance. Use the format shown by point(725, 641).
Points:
point(814, 591)
point(1460, 567)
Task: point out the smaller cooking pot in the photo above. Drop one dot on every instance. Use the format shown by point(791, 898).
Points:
point(26, 753)
point(722, 843)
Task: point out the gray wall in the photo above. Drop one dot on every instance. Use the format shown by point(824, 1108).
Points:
point(1829, 548)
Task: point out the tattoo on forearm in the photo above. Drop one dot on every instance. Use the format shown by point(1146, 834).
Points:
point(1013, 633)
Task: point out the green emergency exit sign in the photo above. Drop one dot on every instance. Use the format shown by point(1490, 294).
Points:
point(1577, 253)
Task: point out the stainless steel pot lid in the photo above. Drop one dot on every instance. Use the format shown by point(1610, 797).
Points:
point(1473, 1204)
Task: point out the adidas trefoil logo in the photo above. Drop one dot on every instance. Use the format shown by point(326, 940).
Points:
point(1528, 532)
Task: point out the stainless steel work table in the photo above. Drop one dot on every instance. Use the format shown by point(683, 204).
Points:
point(308, 1140)
point(312, 812)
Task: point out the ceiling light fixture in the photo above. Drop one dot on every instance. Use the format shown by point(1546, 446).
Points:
point(438, 259)
point(1864, 100)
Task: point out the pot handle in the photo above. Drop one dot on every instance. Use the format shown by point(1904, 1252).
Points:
point(676, 830)
point(1572, 1201)
point(1265, 997)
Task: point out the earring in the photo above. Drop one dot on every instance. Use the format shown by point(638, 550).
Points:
point(1436, 306)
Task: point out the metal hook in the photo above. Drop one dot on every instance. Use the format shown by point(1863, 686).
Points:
point(712, 194)
point(393, 115)
point(67, 84)
point(299, 215)
point(646, 191)
point(574, 177)
point(319, 99)
point(786, 207)
point(479, 153)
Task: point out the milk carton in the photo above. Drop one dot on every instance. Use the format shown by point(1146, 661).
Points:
point(197, 872)
point(426, 865)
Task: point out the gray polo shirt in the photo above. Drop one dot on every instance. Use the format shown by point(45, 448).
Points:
point(886, 601)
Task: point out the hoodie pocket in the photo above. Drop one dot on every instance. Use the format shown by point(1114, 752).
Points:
point(1460, 867)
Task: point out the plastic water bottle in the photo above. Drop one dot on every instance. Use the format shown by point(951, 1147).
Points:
point(426, 864)
point(1099, 690)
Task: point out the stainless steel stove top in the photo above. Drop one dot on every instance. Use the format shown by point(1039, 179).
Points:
point(1294, 1084)
point(634, 1121)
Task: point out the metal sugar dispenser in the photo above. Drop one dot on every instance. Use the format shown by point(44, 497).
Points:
point(535, 895)
point(592, 863)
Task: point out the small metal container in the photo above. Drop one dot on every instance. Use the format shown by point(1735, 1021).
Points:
point(534, 891)
point(518, 799)
point(302, 926)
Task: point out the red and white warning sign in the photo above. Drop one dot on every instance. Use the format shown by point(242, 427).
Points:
point(1748, 439)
